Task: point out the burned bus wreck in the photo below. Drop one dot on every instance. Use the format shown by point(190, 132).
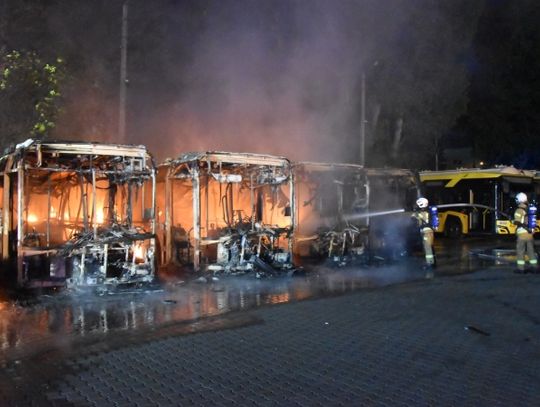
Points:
point(349, 214)
point(78, 214)
point(332, 201)
point(393, 234)
point(226, 212)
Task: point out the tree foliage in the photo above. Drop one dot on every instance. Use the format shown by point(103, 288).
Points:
point(30, 94)
point(503, 119)
point(419, 90)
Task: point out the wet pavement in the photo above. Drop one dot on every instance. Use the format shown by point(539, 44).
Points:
point(60, 328)
point(72, 315)
point(69, 315)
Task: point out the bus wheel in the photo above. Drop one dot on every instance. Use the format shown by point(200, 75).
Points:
point(453, 228)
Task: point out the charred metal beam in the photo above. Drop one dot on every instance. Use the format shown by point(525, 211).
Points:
point(20, 208)
point(196, 218)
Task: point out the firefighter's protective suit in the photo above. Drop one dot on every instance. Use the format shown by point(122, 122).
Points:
point(422, 217)
point(524, 237)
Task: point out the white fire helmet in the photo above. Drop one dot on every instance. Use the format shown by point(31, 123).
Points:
point(422, 202)
point(521, 198)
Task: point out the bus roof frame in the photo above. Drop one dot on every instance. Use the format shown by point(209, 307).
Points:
point(455, 176)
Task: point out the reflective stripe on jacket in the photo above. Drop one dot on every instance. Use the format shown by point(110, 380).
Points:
point(521, 218)
point(423, 219)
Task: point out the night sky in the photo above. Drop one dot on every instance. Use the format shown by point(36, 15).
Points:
point(284, 77)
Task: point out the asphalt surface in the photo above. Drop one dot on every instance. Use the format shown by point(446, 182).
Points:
point(465, 340)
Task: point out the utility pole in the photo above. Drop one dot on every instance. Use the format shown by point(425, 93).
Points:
point(363, 120)
point(123, 76)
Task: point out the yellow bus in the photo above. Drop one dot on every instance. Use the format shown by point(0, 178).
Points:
point(478, 201)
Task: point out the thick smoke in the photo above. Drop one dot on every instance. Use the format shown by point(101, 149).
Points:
point(279, 77)
point(276, 77)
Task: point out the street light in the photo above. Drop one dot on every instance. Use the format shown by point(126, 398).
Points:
point(363, 115)
point(123, 76)
point(363, 119)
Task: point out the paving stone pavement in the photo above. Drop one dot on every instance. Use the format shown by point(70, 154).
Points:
point(471, 340)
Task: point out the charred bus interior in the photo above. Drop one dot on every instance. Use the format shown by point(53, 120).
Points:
point(226, 212)
point(78, 214)
point(89, 214)
point(332, 204)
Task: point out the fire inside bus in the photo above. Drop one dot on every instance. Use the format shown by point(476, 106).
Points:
point(351, 214)
point(77, 214)
point(328, 195)
point(478, 201)
point(226, 212)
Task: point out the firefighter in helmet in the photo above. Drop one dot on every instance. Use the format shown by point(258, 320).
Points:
point(421, 214)
point(524, 235)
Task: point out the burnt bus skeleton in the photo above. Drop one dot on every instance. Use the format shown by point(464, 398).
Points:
point(78, 214)
point(329, 195)
point(349, 214)
point(225, 212)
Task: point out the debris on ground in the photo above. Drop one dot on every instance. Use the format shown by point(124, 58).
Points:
point(476, 330)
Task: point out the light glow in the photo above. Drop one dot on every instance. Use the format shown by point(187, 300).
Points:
point(99, 216)
point(138, 252)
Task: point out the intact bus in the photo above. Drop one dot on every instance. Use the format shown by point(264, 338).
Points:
point(471, 201)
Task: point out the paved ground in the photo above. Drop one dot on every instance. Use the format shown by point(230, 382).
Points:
point(464, 340)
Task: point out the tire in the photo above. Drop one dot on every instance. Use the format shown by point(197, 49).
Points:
point(453, 228)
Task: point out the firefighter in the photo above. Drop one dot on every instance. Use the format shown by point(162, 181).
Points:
point(421, 214)
point(524, 235)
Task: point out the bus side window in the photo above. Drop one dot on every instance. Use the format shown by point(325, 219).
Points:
point(506, 187)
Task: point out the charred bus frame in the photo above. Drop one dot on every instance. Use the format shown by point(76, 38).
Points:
point(347, 213)
point(226, 212)
point(332, 204)
point(80, 214)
